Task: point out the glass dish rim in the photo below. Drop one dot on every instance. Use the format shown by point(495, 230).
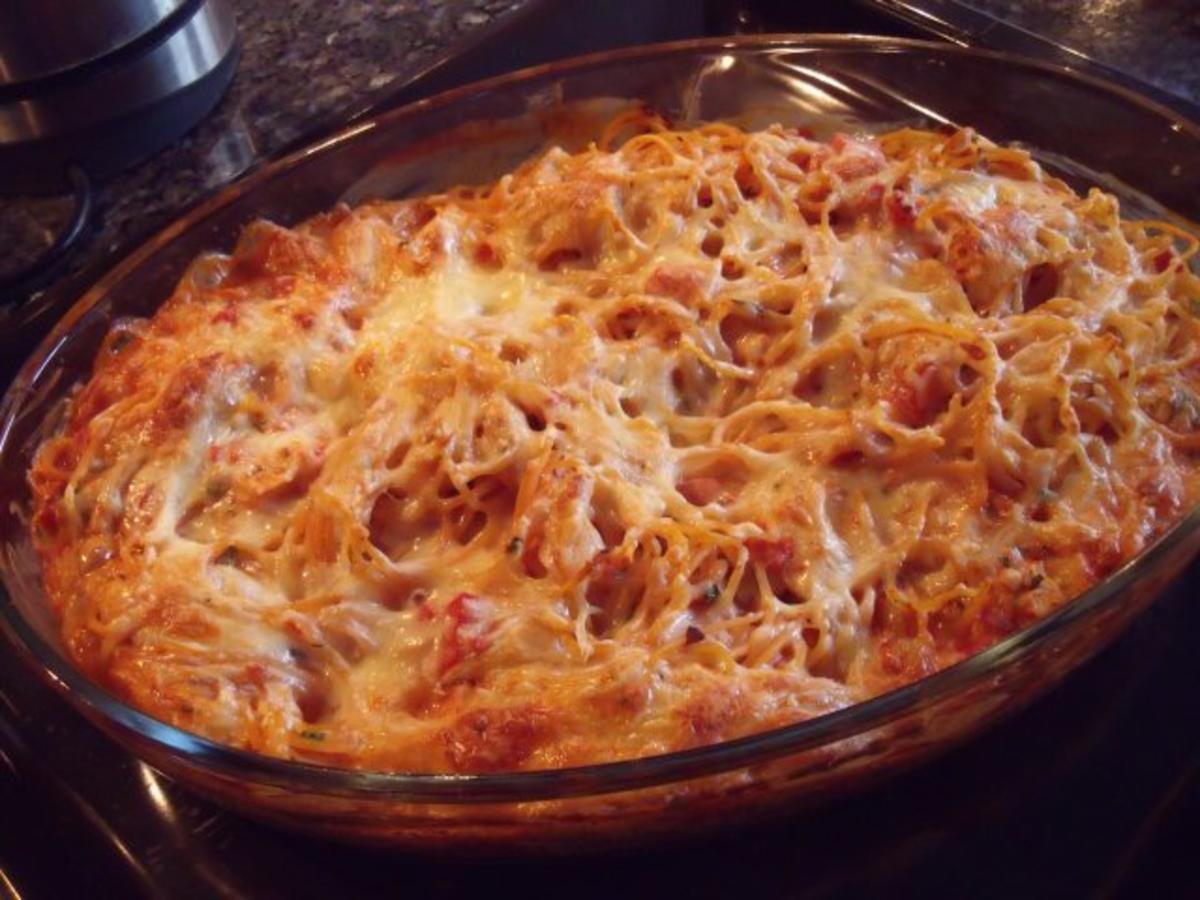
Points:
point(602, 778)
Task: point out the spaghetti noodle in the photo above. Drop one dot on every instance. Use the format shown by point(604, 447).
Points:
point(685, 436)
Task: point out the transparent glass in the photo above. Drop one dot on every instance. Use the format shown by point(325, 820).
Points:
point(1084, 128)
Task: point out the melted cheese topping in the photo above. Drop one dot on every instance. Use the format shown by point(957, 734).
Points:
point(635, 449)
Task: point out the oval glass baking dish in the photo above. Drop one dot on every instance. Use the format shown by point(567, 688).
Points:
point(1079, 126)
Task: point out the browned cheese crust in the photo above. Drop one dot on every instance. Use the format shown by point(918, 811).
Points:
point(640, 448)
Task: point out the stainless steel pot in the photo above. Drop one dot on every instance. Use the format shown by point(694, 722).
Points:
point(37, 39)
point(102, 84)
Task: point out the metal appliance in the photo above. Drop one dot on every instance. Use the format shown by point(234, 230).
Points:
point(90, 88)
point(103, 85)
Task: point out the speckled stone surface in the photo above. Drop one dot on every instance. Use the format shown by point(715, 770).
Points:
point(302, 61)
point(1157, 41)
point(305, 61)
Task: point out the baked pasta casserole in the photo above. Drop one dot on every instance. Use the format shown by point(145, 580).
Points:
point(688, 435)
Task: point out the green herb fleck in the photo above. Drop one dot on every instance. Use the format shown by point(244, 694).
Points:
point(712, 593)
point(311, 734)
point(1045, 495)
point(514, 546)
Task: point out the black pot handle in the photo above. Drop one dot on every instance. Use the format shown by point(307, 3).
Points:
point(20, 284)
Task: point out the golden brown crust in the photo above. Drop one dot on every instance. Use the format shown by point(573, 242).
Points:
point(636, 449)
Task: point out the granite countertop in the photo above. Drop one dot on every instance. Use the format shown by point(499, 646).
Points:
point(306, 61)
point(1156, 41)
point(301, 62)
